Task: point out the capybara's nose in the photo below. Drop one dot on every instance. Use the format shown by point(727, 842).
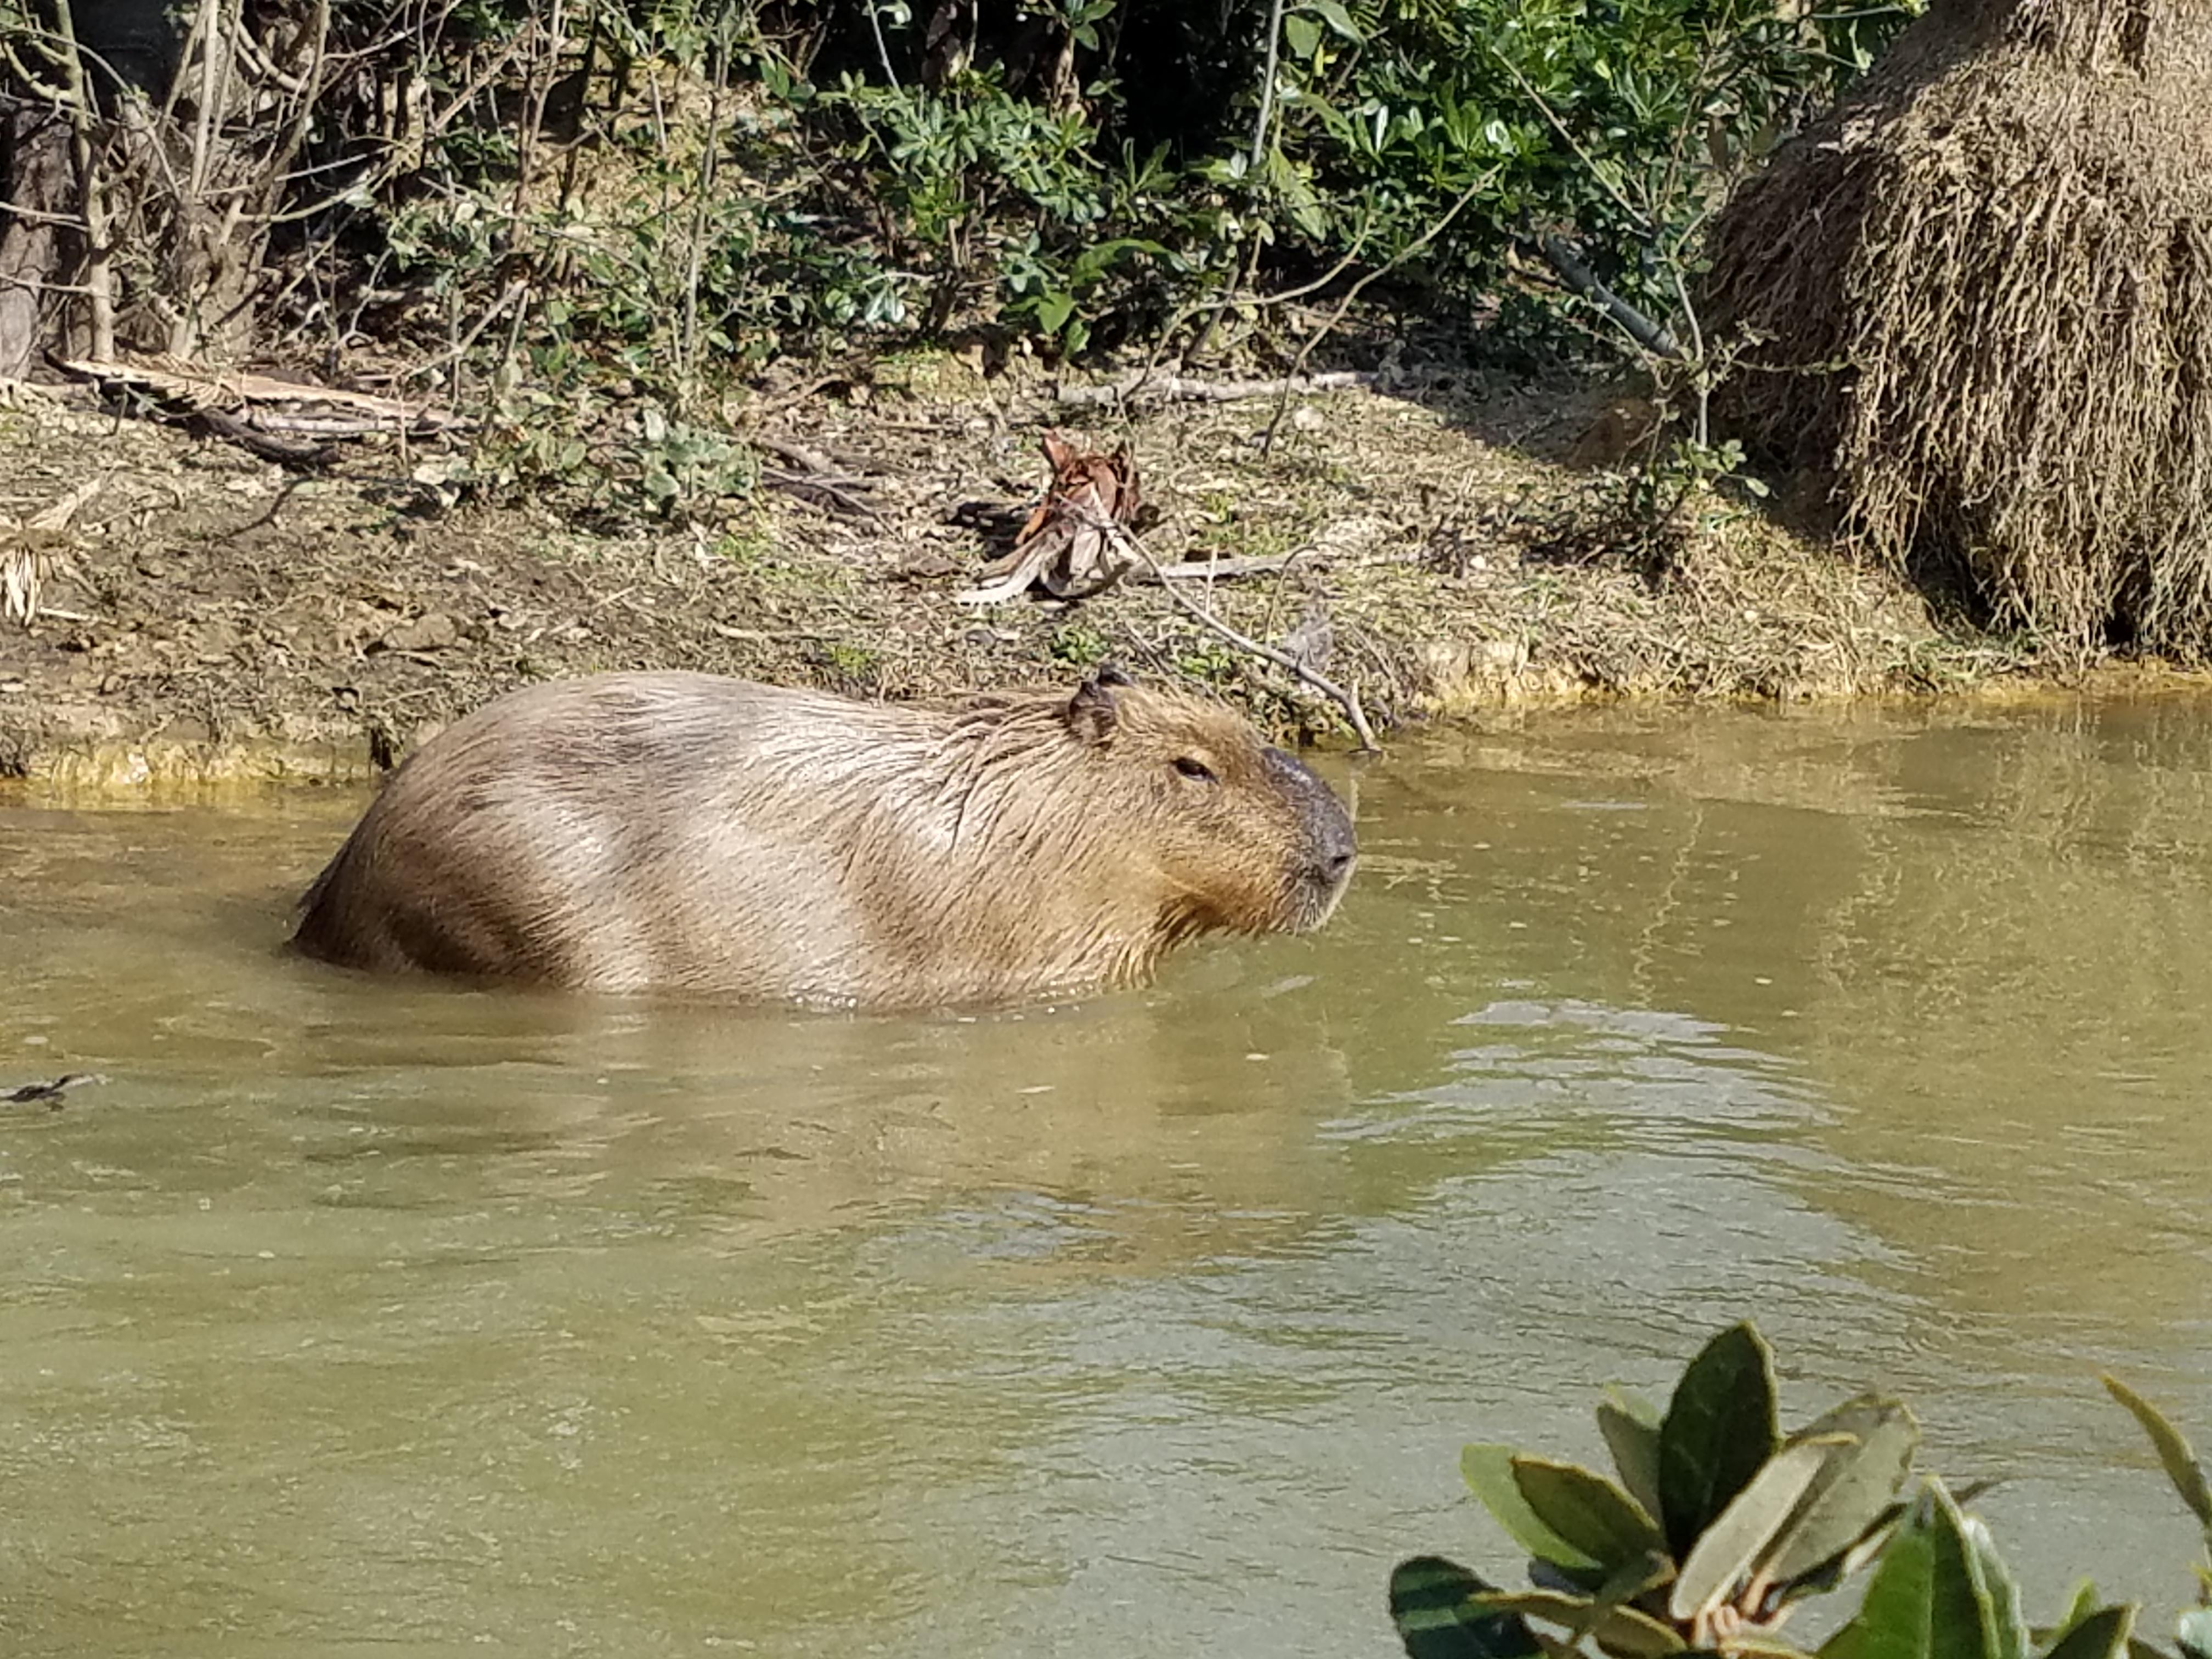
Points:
point(1339, 849)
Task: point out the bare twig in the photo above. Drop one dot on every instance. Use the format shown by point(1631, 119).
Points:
point(687, 335)
point(883, 50)
point(1191, 570)
point(1346, 699)
point(99, 271)
point(17, 210)
point(831, 490)
point(798, 454)
point(545, 65)
point(1213, 309)
point(1267, 84)
point(514, 294)
point(1597, 173)
point(1352, 297)
point(1174, 388)
point(205, 38)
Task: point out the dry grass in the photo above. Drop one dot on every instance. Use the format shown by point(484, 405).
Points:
point(208, 615)
point(1985, 286)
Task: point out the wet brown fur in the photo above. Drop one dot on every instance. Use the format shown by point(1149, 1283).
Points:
point(683, 833)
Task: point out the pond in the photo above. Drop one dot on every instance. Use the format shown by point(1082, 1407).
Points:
point(348, 1316)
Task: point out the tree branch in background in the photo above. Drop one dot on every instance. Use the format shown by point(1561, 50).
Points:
point(1346, 699)
point(1267, 84)
point(882, 48)
point(1352, 297)
point(92, 199)
point(1654, 338)
point(1176, 388)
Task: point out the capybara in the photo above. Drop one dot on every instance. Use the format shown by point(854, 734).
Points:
point(692, 834)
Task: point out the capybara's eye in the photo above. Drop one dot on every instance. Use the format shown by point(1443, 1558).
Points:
point(1193, 769)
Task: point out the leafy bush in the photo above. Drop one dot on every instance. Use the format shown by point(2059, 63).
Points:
point(995, 205)
point(1718, 1524)
point(605, 205)
point(1621, 123)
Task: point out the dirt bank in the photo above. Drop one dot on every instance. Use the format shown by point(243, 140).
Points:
point(210, 617)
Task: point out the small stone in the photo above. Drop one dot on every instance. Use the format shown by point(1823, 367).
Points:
point(930, 566)
point(433, 630)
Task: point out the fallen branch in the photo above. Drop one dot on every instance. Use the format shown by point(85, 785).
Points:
point(1174, 388)
point(1200, 570)
point(1346, 699)
point(814, 477)
point(271, 404)
point(50, 1094)
point(25, 562)
point(248, 437)
point(812, 461)
point(833, 490)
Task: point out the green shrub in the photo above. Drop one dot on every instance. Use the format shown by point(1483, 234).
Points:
point(1717, 1525)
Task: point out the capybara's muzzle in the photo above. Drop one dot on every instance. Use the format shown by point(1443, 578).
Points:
point(1332, 847)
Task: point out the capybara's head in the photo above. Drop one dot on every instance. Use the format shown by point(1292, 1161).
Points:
point(1240, 835)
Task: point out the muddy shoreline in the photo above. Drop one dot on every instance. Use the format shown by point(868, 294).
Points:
point(210, 619)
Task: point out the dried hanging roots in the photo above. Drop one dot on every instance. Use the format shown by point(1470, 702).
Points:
point(1979, 294)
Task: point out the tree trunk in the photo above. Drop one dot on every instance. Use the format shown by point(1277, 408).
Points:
point(34, 164)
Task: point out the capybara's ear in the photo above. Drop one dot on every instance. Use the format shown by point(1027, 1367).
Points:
point(1091, 712)
point(1112, 673)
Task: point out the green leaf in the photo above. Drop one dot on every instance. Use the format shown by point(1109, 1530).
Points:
point(2181, 1465)
point(1730, 1550)
point(1836, 1568)
point(1430, 1605)
point(1620, 1629)
point(1336, 17)
point(2083, 1604)
point(1488, 1470)
point(1589, 1511)
point(1718, 1432)
point(1632, 1578)
point(1857, 1483)
point(1940, 1593)
point(1630, 1424)
point(1302, 35)
point(2099, 1635)
point(1053, 310)
point(2001, 1590)
point(2194, 1632)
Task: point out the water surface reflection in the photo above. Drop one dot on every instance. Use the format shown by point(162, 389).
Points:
point(350, 1315)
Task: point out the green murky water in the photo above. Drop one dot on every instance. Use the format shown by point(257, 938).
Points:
point(351, 1317)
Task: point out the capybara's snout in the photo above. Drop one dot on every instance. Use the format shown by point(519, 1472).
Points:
point(1332, 847)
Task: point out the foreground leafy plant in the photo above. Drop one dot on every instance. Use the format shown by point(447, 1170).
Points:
point(2193, 1633)
point(1718, 1525)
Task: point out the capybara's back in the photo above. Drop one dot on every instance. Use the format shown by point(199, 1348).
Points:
point(696, 835)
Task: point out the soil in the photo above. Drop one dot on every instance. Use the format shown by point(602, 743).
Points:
point(209, 617)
